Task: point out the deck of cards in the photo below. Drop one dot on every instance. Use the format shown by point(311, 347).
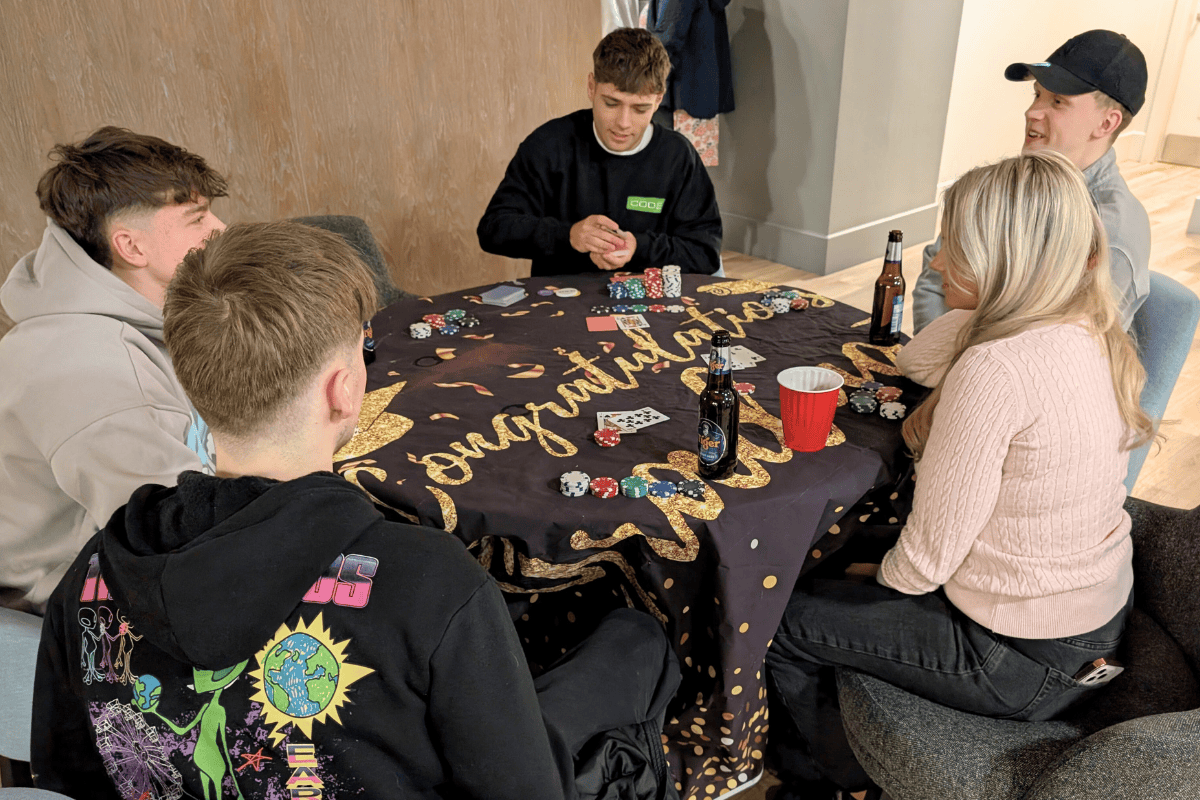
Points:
point(503, 296)
point(630, 421)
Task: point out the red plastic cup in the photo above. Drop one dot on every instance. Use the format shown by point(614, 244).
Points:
point(808, 399)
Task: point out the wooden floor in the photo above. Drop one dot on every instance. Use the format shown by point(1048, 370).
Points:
point(1168, 192)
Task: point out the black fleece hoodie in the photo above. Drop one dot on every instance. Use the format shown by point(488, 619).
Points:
point(250, 638)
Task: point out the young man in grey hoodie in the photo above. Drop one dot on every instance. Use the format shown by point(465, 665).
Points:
point(90, 408)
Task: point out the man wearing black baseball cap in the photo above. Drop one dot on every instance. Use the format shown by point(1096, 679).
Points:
point(1084, 95)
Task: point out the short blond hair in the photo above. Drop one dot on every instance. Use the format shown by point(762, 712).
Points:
point(1106, 103)
point(256, 314)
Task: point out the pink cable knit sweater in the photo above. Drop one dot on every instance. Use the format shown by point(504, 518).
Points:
point(1018, 506)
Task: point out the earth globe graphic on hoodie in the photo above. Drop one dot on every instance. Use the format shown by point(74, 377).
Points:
point(303, 676)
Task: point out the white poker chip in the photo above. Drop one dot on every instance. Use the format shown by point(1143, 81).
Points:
point(569, 291)
point(675, 309)
point(892, 410)
point(420, 330)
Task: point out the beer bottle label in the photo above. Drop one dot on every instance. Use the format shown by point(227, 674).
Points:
point(718, 361)
point(897, 313)
point(713, 444)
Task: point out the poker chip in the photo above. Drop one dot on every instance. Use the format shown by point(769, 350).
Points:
point(435, 320)
point(468, 322)
point(618, 291)
point(676, 309)
point(622, 309)
point(780, 305)
point(744, 388)
point(607, 437)
point(568, 291)
point(658, 308)
point(604, 488)
point(692, 489)
point(888, 394)
point(662, 489)
point(636, 288)
point(420, 330)
point(672, 280)
point(790, 294)
point(545, 292)
point(768, 296)
point(799, 303)
point(574, 484)
point(601, 309)
point(892, 410)
point(449, 329)
point(871, 386)
point(863, 403)
point(640, 308)
point(633, 486)
point(454, 314)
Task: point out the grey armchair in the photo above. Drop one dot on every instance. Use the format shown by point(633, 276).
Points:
point(1137, 737)
point(356, 232)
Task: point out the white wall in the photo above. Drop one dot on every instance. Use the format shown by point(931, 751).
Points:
point(1185, 111)
point(985, 121)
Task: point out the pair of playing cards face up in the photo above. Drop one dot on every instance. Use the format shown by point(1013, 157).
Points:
point(630, 421)
point(740, 357)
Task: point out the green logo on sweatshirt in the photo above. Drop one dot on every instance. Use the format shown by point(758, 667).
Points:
point(651, 205)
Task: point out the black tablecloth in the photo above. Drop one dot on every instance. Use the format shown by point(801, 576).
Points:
point(471, 432)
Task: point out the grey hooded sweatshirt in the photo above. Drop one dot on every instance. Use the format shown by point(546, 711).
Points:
point(90, 410)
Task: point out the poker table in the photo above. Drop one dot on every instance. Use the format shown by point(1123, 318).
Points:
point(471, 432)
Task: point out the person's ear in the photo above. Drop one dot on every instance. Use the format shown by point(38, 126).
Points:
point(338, 394)
point(591, 87)
point(1109, 123)
point(128, 244)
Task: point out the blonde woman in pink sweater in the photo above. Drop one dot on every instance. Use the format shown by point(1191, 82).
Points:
point(1013, 571)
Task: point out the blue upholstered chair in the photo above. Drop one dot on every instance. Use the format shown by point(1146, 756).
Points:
point(1163, 328)
point(1137, 737)
point(19, 636)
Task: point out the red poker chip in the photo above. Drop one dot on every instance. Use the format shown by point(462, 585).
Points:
point(604, 488)
point(658, 307)
point(607, 437)
point(435, 320)
point(744, 388)
point(888, 394)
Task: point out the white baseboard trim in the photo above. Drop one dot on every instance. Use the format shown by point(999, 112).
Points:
point(824, 253)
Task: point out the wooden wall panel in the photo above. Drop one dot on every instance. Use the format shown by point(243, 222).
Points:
point(403, 112)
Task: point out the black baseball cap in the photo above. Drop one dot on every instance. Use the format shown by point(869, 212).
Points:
point(1096, 60)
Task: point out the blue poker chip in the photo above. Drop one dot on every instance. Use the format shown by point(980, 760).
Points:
point(449, 329)
point(662, 489)
point(871, 386)
point(622, 309)
point(545, 292)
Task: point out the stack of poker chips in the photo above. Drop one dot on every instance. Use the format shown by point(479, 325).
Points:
point(672, 279)
point(604, 488)
point(863, 402)
point(662, 489)
point(447, 324)
point(888, 394)
point(654, 282)
point(692, 489)
point(607, 437)
point(420, 330)
point(574, 484)
point(892, 410)
point(435, 320)
point(618, 290)
point(780, 305)
point(636, 288)
point(634, 486)
point(799, 303)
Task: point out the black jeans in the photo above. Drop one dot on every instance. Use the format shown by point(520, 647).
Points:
point(920, 643)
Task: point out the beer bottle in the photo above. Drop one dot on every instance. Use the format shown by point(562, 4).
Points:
point(718, 414)
point(887, 312)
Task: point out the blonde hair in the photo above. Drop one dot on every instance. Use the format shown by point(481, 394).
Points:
point(252, 317)
point(1024, 233)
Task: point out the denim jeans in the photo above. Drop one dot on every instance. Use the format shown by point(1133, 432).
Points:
point(920, 643)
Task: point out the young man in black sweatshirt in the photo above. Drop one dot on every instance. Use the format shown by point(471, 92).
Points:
point(266, 632)
point(605, 188)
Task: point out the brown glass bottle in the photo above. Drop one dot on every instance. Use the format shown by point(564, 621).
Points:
point(887, 312)
point(718, 429)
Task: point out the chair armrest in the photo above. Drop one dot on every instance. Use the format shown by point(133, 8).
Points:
point(1149, 757)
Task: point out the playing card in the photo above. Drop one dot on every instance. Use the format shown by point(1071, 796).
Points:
point(604, 419)
point(642, 418)
point(627, 321)
point(736, 362)
point(502, 295)
point(745, 354)
point(601, 324)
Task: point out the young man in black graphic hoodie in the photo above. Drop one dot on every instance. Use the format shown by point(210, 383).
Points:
point(605, 188)
point(265, 632)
